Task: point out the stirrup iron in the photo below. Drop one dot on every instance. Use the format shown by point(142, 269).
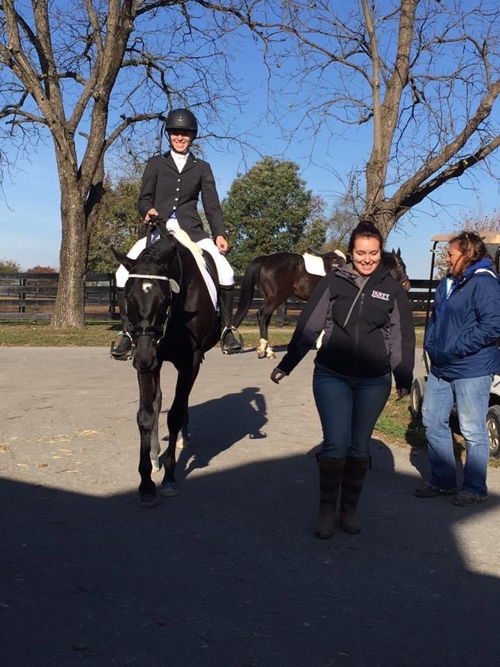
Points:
point(225, 348)
point(125, 356)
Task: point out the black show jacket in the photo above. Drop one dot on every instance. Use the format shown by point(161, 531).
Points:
point(169, 191)
point(369, 330)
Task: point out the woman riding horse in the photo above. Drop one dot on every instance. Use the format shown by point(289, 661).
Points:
point(171, 185)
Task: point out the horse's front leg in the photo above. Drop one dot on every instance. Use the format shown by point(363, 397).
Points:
point(147, 418)
point(155, 437)
point(177, 419)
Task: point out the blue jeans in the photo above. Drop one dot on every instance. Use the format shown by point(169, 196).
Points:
point(348, 409)
point(471, 396)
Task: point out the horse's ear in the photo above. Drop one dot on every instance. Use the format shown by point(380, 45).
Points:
point(127, 262)
point(399, 253)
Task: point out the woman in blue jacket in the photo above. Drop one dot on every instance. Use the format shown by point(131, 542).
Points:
point(461, 342)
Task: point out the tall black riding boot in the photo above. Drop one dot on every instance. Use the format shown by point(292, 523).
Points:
point(122, 351)
point(352, 485)
point(229, 342)
point(330, 477)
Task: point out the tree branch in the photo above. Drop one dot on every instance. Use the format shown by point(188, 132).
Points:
point(434, 163)
point(452, 171)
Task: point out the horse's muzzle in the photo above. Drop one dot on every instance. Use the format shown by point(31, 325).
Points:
point(146, 354)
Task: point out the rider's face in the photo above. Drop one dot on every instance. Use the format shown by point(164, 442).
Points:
point(180, 140)
point(366, 255)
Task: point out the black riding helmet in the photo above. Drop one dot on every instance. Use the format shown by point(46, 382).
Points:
point(181, 119)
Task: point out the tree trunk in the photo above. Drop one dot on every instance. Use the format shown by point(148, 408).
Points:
point(70, 301)
point(384, 218)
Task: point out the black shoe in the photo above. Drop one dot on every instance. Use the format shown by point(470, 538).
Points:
point(122, 351)
point(463, 499)
point(229, 343)
point(428, 491)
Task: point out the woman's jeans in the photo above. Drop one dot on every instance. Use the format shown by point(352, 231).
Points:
point(471, 396)
point(348, 409)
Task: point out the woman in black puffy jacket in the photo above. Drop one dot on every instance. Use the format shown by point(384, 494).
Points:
point(369, 332)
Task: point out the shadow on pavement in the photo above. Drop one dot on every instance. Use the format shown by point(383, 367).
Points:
point(228, 573)
point(218, 424)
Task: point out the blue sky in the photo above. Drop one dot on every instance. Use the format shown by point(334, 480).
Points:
point(30, 222)
point(29, 208)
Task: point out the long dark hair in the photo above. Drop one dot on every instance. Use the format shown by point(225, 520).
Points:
point(471, 247)
point(365, 229)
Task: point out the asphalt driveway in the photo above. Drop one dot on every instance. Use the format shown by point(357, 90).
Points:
point(227, 573)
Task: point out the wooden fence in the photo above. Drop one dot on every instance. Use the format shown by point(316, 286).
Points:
point(31, 296)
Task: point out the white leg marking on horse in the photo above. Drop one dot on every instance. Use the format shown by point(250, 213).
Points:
point(261, 348)
point(155, 462)
point(270, 353)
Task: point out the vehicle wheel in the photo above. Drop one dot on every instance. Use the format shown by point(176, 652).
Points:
point(493, 425)
point(416, 398)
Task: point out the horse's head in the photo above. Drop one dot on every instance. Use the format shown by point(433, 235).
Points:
point(148, 298)
point(396, 267)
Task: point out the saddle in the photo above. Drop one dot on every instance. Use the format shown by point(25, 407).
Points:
point(203, 260)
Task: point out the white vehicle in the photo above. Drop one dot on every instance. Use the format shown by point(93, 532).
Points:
point(492, 242)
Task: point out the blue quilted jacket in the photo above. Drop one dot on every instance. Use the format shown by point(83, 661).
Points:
point(461, 339)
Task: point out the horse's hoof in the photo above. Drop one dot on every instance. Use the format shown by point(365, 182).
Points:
point(156, 465)
point(261, 355)
point(169, 489)
point(148, 500)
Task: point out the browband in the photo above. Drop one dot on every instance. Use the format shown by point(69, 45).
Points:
point(146, 277)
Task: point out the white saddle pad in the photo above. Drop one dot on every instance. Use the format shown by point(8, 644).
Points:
point(314, 264)
point(197, 252)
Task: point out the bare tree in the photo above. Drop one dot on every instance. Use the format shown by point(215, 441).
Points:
point(87, 74)
point(423, 73)
point(490, 223)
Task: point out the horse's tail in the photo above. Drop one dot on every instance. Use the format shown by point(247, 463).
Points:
point(247, 290)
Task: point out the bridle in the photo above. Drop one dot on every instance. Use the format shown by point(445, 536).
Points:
point(155, 332)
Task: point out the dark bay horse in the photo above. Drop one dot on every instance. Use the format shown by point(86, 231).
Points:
point(172, 318)
point(284, 274)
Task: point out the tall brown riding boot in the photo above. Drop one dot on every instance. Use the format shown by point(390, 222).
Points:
point(330, 477)
point(352, 484)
